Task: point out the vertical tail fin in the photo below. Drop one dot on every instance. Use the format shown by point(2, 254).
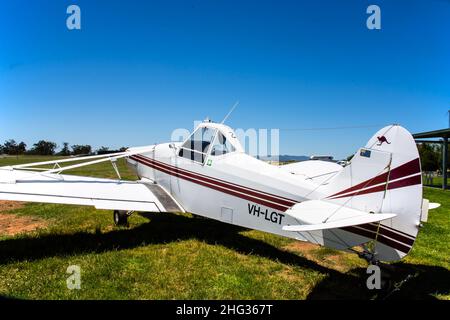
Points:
point(384, 177)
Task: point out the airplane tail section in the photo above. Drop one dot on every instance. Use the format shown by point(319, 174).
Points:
point(383, 177)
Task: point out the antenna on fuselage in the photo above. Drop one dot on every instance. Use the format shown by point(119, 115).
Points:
point(232, 109)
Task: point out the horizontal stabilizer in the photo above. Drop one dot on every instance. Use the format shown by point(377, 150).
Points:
point(320, 215)
point(433, 205)
point(342, 223)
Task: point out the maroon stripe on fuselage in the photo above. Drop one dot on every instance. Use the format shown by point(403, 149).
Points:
point(185, 176)
point(392, 185)
point(374, 181)
point(270, 197)
point(382, 239)
point(404, 170)
point(406, 182)
point(388, 233)
point(392, 229)
point(226, 184)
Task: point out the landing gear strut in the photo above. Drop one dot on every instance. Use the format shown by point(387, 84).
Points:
point(369, 255)
point(121, 217)
point(390, 283)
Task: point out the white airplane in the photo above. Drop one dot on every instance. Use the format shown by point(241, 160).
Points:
point(375, 201)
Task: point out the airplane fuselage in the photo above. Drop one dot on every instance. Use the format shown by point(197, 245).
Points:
point(210, 175)
point(234, 188)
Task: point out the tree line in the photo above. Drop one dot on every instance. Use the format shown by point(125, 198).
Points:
point(430, 155)
point(48, 148)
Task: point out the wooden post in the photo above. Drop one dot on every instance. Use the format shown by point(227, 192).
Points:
point(444, 162)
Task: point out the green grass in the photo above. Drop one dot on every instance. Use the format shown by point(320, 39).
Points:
point(436, 181)
point(176, 256)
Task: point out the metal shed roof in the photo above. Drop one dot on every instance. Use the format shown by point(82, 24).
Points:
point(442, 133)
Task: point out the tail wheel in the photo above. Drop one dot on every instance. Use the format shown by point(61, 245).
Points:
point(120, 218)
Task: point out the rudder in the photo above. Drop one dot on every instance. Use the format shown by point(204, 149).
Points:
point(383, 177)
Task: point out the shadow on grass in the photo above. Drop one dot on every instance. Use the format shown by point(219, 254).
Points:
point(166, 228)
point(404, 281)
point(162, 228)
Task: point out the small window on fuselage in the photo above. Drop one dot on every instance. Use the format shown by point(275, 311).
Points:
point(198, 144)
point(221, 145)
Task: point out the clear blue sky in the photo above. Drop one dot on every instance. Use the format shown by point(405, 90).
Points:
point(138, 69)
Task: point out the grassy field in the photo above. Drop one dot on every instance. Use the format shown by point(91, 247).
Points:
point(176, 256)
point(437, 182)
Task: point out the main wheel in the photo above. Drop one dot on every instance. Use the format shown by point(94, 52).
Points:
point(120, 218)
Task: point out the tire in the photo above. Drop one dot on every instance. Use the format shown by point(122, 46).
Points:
point(120, 218)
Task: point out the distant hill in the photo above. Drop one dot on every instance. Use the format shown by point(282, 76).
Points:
point(284, 157)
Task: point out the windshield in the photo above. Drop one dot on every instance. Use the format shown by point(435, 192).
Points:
point(197, 146)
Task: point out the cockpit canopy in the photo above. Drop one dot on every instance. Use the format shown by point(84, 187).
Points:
point(210, 139)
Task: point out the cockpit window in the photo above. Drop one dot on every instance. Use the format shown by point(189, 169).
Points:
point(198, 144)
point(221, 145)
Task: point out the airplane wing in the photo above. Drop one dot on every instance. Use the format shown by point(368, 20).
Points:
point(319, 215)
point(50, 187)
